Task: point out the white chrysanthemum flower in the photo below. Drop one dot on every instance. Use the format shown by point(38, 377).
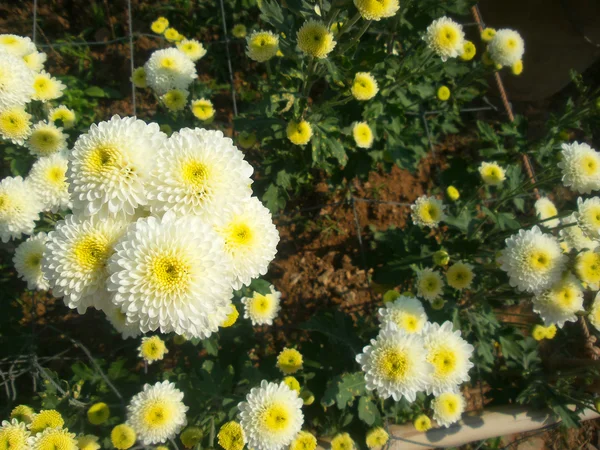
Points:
point(63, 114)
point(250, 239)
point(580, 167)
point(16, 81)
point(14, 435)
point(15, 124)
point(48, 178)
point(192, 49)
point(76, 257)
point(377, 9)
point(262, 309)
point(111, 164)
point(394, 364)
point(428, 211)
point(492, 173)
point(35, 61)
point(157, 413)
point(429, 284)
point(262, 45)
point(588, 216)
point(19, 208)
point(14, 45)
point(46, 139)
point(574, 237)
point(545, 209)
point(53, 438)
point(446, 38)
point(533, 260)
point(172, 274)
point(28, 261)
point(271, 416)
point(198, 172)
point(561, 302)
point(46, 87)
point(118, 320)
point(507, 47)
point(406, 312)
point(449, 354)
point(460, 275)
point(168, 69)
point(594, 316)
point(448, 408)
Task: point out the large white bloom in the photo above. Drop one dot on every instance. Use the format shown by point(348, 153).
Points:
point(262, 309)
point(588, 216)
point(172, 274)
point(507, 47)
point(271, 416)
point(199, 172)
point(48, 178)
point(19, 208)
point(533, 260)
point(580, 167)
point(561, 302)
point(118, 320)
point(449, 354)
point(111, 163)
point(14, 45)
point(168, 69)
point(574, 236)
point(448, 408)
point(395, 365)
point(250, 239)
point(157, 413)
point(406, 312)
point(16, 81)
point(446, 38)
point(76, 256)
point(545, 209)
point(28, 261)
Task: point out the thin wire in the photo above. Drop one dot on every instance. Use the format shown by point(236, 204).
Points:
point(131, 52)
point(34, 31)
point(235, 111)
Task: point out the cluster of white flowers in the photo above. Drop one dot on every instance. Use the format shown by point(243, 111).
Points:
point(411, 355)
point(557, 267)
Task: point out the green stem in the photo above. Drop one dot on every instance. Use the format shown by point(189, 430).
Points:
point(348, 25)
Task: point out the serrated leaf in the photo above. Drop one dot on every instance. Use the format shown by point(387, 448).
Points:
point(368, 411)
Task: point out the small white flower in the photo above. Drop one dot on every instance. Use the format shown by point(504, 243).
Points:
point(406, 312)
point(192, 49)
point(561, 302)
point(580, 167)
point(428, 211)
point(492, 173)
point(35, 61)
point(507, 47)
point(450, 356)
point(448, 408)
point(157, 413)
point(429, 284)
point(533, 260)
point(445, 37)
point(14, 45)
point(545, 209)
point(574, 237)
point(48, 178)
point(394, 364)
point(19, 208)
point(262, 309)
point(588, 216)
point(28, 261)
point(169, 69)
point(271, 416)
point(46, 139)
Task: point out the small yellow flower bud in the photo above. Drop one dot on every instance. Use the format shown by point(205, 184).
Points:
point(441, 258)
point(452, 193)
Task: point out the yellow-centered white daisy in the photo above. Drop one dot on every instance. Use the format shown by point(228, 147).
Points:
point(157, 413)
point(46, 87)
point(152, 349)
point(506, 47)
point(588, 216)
point(168, 69)
point(580, 166)
point(35, 61)
point(394, 364)
point(198, 172)
point(430, 284)
point(262, 309)
point(561, 302)
point(46, 139)
point(172, 274)
point(271, 417)
point(48, 178)
point(446, 38)
point(460, 275)
point(110, 166)
point(28, 261)
point(449, 355)
point(64, 116)
point(545, 209)
point(428, 211)
point(191, 48)
point(492, 173)
point(76, 256)
point(53, 438)
point(19, 208)
point(16, 45)
point(406, 312)
point(448, 408)
point(16, 81)
point(250, 239)
point(15, 124)
point(363, 135)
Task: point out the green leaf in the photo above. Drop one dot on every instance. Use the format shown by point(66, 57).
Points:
point(342, 389)
point(211, 345)
point(367, 411)
point(95, 91)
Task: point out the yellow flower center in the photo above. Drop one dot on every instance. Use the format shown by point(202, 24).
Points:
point(275, 417)
point(157, 414)
point(449, 406)
point(56, 175)
point(34, 260)
point(167, 63)
point(91, 252)
point(593, 215)
point(260, 304)
point(195, 174)
point(566, 296)
point(410, 323)
point(104, 159)
point(511, 43)
point(393, 364)
point(444, 361)
point(9, 40)
point(540, 260)
point(5, 203)
point(589, 165)
point(588, 267)
point(447, 36)
point(238, 235)
point(12, 122)
point(170, 274)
